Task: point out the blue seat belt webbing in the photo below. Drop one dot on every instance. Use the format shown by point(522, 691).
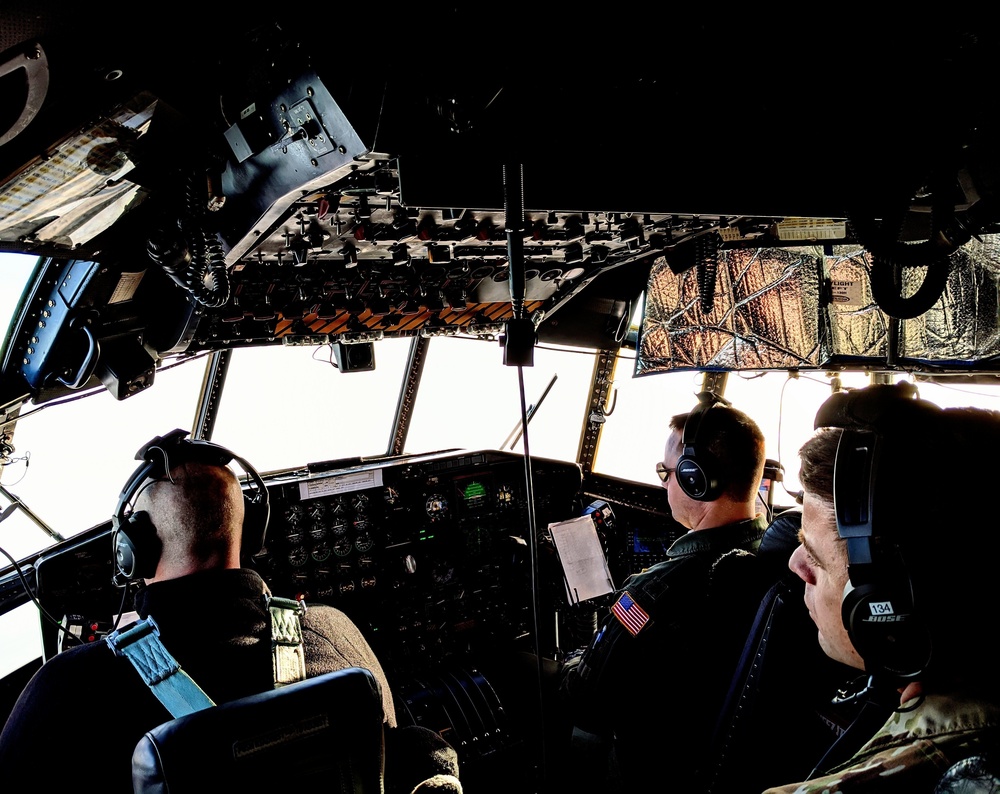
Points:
point(174, 688)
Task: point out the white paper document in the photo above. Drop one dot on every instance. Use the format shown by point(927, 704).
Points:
point(582, 557)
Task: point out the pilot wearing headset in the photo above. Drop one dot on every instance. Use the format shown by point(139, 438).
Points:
point(655, 673)
point(183, 537)
point(900, 580)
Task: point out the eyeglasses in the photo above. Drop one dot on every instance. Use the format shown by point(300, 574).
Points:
point(664, 471)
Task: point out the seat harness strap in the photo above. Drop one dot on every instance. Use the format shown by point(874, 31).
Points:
point(175, 689)
point(286, 640)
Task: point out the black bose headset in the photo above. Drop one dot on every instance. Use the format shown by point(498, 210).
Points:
point(879, 608)
point(698, 472)
point(136, 545)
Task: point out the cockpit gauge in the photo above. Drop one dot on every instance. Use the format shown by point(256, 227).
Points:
point(342, 547)
point(295, 513)
point(362, 525)
point(321, 552)
point(475, 495)
point(436, 507)
point(298, 557)
point(316, 510)
point(478, 540)
point(337, 507)
point(442, 572)
point(338, 527)
point(364, 541)
point(360, 503)
point(390, 496)
point(505, 496)
point(317, 531)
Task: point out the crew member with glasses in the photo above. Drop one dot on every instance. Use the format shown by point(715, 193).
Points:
point(652, 680)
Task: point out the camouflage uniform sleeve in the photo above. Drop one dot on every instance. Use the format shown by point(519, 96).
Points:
point(912, 751)
point(915, 767)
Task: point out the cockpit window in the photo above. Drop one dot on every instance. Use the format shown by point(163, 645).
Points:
point(481, 407)
point(15, 271)
point(285, 407)
point(70, 457)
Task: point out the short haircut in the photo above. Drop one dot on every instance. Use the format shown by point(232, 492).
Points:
point(736, 445)
point(196, 510)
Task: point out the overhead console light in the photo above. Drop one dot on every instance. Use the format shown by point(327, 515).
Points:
point(361, 336)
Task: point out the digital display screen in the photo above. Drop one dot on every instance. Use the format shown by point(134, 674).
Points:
point(474, 495)
point(650, 544)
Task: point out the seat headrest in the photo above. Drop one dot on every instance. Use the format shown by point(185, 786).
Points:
point(780, 539)
point(308, 737)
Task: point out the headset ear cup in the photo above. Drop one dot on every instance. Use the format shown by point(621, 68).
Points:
point(698, 475)
point(696, 479)
point(137, 547)
point(885, 631)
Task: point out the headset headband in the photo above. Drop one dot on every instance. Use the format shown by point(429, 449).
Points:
point(163, 453)
point(879, 605)
point(706, 400)
point(854, 486)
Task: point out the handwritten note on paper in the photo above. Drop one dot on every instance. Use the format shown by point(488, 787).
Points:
point(584, 564)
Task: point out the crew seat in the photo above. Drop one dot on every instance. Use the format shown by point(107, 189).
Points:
point(777, 719)
point(320, 734)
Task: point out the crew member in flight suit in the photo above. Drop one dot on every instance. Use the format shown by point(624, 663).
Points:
point(85, 709)
point(656, 671)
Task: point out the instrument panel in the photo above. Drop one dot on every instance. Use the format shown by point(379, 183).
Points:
point(431, 556)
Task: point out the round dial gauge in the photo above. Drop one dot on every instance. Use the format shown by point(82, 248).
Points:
point(321, 552)
point(442, 572)
point(505, 496)
point(436, 506)
point(338, 527)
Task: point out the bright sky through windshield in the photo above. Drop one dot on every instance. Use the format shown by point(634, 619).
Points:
point(14, 272)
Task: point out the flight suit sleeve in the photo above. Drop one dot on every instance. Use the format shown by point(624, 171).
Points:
point(597, 683)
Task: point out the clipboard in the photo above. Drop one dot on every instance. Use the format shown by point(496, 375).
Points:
point(585, 568)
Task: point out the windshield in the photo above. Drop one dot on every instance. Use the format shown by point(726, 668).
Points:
point(284, 407)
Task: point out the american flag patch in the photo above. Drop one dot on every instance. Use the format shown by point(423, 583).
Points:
point(632, 616)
